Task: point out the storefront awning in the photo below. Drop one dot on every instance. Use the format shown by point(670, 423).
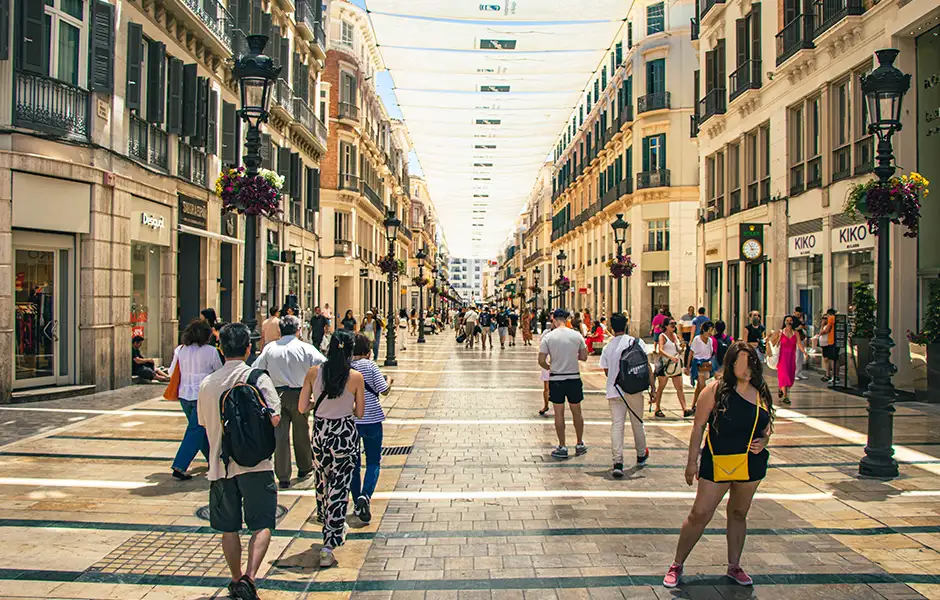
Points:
point(210, 234)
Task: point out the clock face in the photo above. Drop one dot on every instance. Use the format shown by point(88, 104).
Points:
point(751, 249)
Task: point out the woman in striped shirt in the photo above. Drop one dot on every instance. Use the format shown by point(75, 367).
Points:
point(369, 426)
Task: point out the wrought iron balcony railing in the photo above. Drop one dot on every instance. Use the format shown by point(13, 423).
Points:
point(714, 103)
point(348, 111)
point(49, 105)
point(794, 36)
point(306, 18)
point(283, 98)
point(306, 118)
point(707, 5)
point(348, 182)
point(744, 78)
point(827, 13)
point(625, 116)
point(373, 197)
point(651, 179)
point(215, 17)
point(654, 101)
point(137, 133)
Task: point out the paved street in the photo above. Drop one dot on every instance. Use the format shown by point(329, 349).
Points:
point(470, 504)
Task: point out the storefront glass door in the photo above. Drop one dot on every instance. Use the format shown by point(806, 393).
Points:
point(42, 290)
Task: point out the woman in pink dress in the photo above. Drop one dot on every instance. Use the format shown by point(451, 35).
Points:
point(788, 343)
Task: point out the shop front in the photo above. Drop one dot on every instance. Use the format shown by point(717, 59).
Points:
point(806, 277)
point(192, 248)
point(853, 261)
point(150, 245)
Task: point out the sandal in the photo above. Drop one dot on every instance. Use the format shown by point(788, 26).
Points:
point(543, 411)
point(660, 414)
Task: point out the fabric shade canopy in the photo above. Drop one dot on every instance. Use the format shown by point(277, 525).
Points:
point(485, 89)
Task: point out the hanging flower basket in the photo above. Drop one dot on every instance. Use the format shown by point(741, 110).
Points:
point(433, 289)
point(563, 284)
point(898, 201)
point(258, 195)
point(392, 266)
point(535, 289)
point(420, 281)
point(620, 267)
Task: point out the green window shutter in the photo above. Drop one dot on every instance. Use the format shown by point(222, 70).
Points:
point(156, 73)
point(135, 57)
point(283, 164)
point(256, 16)
point(5, 29)
point(198, 138)
point(662, 151)
point(33, 42)
point(212, 137)
point(267, 152)
point(174, 97)
point(630, 161)
point(242, 13)
point(646, 155)
point(296, 174)
point(101, 66)
point(190, 83)
point(229, 140)
point(313, 190)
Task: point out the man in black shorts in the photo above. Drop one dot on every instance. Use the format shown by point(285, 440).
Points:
point(559, 353)
point(234, 489)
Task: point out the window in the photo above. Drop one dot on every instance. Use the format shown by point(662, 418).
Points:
point(841, 131)
point(657, 235)
point(654, 152)
point(864, 147)
point(805, 145)
point(656, 76)
point(346, 33)
point(734, 177)
point(795, 149)
point(629, 34)
point(814, 135)
point(655, 19)
point(63, 27)
point(341, 225)
point(715, 186)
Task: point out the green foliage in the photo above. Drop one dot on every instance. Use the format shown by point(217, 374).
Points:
point(930, 333)
point(864, 300)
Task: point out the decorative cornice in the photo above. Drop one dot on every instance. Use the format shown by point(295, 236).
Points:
point(843, 40)
point(749, 102)
point(799, 70)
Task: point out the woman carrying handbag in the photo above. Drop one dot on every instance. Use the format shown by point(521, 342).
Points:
point(669, 367)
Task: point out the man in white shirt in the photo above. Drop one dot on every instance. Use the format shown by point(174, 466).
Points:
point(565, 347)
point(234, 488)
point(620, 402)
point(287, 361)
point(470, 323)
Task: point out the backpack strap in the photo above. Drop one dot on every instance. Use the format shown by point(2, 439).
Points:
point(255, 375)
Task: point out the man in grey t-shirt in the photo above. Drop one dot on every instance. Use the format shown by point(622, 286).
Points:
point(560, 351)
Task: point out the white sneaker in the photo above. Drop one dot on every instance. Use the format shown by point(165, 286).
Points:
point(580, 450)
point(560, 452)
point(327, 559)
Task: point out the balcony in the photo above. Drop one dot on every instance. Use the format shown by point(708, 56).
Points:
point(308, 125)
point(744, 78)
point(342, 248)
point(45, 104)
point(652, 179)
point(319, 36)
point(693, 126)
point(654, 101)
point(707, 5)
point(694, 27)
point(714, 103)
point(191, 164)
point(657, 246)
point(625, 116)
point(373, 197)
point(827, 13)
point(282, 103)
point(348, 182)
point(212, 17)
point(305, 16)
point(349, 111)
point(147, 143)
point(795, 36)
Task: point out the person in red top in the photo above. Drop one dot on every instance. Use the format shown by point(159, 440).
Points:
point(596, 334)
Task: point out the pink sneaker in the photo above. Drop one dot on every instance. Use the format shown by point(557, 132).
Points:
point(671, 579)
point(739, 576)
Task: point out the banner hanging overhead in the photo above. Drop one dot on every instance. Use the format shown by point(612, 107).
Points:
point(485, 89)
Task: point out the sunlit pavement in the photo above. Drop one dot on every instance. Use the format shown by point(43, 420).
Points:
point(470, 504)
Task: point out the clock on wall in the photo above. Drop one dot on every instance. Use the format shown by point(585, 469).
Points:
point(751, 236)
point(751, 249)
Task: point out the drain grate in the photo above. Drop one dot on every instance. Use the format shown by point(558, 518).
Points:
point(396, 450)
point(203, 512)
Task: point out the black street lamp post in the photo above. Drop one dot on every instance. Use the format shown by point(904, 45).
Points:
point(421, 255)
point(620, 236)
point(256, 74)
point(561, 257)
point(884, 90)
point(538, 279)
point(392, 223)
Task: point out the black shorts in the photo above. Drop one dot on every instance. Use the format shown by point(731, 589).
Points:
point(831, 352)
point(566, 389)
point(256, 493)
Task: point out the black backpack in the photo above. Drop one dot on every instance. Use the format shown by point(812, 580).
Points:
point(634, 374)
point(724, 342)
point(247, 433)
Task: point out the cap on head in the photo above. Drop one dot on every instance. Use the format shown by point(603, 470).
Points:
point(560, 313)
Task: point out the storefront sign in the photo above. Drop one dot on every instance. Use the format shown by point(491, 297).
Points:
point(150, 222)
point(751, 240)
point(582, 291)
point(230, 224)
point(805, 245)
point(193, 212)
point(853, 237)
point(657, 284)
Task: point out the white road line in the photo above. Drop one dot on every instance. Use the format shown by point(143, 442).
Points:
point(901, 453)
point(516, 422)
point(72, 483)
point(482, 389)
point(93, 411)
point(540, 494)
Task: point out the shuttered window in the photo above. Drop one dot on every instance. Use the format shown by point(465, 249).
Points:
point(135, 58)
point(156, 86)
point(190, 93)
point(33, 39)
point(267, 152)
point(212, 126)
point(313, 190)
point(174, 96)
point(200, 135)
point(296, 175)
point(283, 163)
point(101, 71)
point(229, 141)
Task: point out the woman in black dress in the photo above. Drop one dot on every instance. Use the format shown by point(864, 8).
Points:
point(738, 410)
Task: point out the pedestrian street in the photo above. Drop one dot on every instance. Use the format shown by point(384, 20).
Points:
point(469, 502)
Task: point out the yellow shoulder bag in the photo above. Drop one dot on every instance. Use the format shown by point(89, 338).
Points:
point(732, 467)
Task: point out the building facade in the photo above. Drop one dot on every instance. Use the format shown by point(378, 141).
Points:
point(626, 151)
point(537, 242)
point(364, 171)
point(422, 223)
point(466, 277)
point(112, 139)
point(783, 135)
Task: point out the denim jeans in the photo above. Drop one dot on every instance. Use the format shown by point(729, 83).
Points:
point(371, 436)
point(376, 345)
point(194, 440)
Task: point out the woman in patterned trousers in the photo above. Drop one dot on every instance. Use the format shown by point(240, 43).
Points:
point(336, 393)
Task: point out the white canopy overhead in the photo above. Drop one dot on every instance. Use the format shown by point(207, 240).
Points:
point(485, 88)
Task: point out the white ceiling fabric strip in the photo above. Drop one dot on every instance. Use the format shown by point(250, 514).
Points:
point(505, 10)
point(485, 88)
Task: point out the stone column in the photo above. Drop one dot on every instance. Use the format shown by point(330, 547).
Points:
point(7, 336)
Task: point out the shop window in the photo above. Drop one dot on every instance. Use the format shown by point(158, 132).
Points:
point(849, 268)
point(145, 302)
point(806, 285)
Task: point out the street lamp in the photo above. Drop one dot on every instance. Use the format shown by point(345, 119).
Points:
point(421, 254)
point(392, 223)
point(620, 236)
point(561, 257)
point(256, 74)
point(537, 271)
point(884, 90)
point(432, 300)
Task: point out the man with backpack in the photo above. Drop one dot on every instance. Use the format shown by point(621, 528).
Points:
point(239, 407)
point(559, 353)
point(626, 364)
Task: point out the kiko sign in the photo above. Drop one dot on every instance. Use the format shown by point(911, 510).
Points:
point(853, 237)
point(805, 245)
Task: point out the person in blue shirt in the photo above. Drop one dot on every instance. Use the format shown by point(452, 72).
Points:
point(369, 427)
point(699, 321)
